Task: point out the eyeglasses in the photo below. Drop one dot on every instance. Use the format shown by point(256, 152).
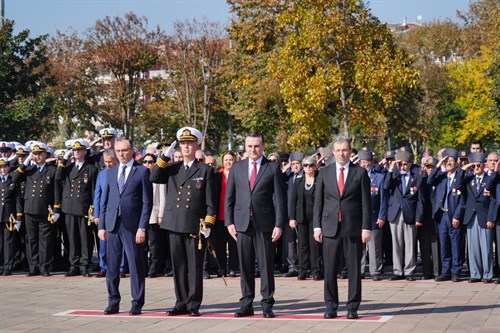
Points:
point(477, 165)
point(306, 165)
point(148, 162)
point(273, 160)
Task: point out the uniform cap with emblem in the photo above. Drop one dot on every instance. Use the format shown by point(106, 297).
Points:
point(189, 134)
point(4, 161)
point(325, 152)
point(404, 155)
point(463, 154)
point(296, 156)
point(23, 150)
point(39, 147)
point(80, 144)
point(6, 146)
point(450, 152)
point(430, 161)
point(60, 152)
point(108, 132)
point(365, 154)
point(389, 154)
point(477, 157)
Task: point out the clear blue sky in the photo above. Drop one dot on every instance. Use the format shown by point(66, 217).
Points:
point(48, 16)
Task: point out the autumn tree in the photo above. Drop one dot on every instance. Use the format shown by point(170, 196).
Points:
point(338, 60)
point(121, 49)
point(25, 106)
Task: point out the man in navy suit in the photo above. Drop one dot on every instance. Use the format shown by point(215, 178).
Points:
point(493, 186)
point(480, 229)
point(342, 221)
point(405, 212)
point(127, 200)
point(255, 211)
point(378, 216)
point(448, 212)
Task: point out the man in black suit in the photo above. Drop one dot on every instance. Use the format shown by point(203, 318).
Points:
point(342, 212)
point(254, 215)
point(127, 200)
point(189, 214)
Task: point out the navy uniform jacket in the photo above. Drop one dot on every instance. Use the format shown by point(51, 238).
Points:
point(10, 200)
point(379, 197)
point(493, 185)
point(190, 195)
point(41, 189)
point(411, 202)
point(476, 202)
point(78, 187)
point(455, 195)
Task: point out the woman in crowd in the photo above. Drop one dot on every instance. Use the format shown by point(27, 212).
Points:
point(301, 219)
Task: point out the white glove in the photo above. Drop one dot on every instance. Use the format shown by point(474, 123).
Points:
point(206, 233)
point(18, 225)
point(68, 154)
point(28, 159)
point(170, 151)
point(55, 217)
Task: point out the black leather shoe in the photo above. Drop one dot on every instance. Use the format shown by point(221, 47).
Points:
point(376, 277)
point(154, 275)
point(244, 312)
point(46, 274)
point(487, 280)
point(33, 273)
point(123, 275)
point(301, 277)
point(232, 273)
point(7, 272)
point(206, 275)
point(169, 274)
point(257, 274)
point(100, 274)
point(396, 278)
point(177, 312)
point(427, 277)
point(318, 277)
point(268, 313)
point(111, 309)
point(194, 313)
point(409, 278)
point(442, 278)
point(471, 280)
point(86, 273)
point(497, 281)
point(72, 272)
point(135, 310)
point(455, 278)
point(291, 274)
point(343, 276)
point(352, 315)
point(330, 314)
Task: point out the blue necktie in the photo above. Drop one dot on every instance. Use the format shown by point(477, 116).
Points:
point(121, 179)
point(448, 190)
point(403, 183)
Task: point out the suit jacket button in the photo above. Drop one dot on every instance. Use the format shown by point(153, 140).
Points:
point(189, 193)
point(180, 186)
point(178, 199)
point(189, 186)
point(187, 206)
point(178, 206)
point(179, 193)
point(188, 200)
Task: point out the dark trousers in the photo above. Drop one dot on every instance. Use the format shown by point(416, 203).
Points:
point(40, 247)
point(158, 244)
point(8, 241)
point(79, 234)
point(450, 243)
point(309, 251)
point(119, 241)
point(225, 247)
point(353, 251)
point(255, 244)
point(289, 250)
point(429, 249)
point(187, 267)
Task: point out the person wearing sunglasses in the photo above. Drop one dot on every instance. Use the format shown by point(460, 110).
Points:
point(301, 220)
point(447, 211)
point(480, 231)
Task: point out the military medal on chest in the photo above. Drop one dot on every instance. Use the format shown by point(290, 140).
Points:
point(85, 178)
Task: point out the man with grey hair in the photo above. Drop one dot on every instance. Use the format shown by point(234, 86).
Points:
point(342, 210)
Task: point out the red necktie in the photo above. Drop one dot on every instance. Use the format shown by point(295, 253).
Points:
point(253, 175)
point(341, 187)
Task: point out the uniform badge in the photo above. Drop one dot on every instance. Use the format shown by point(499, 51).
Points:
point(413, 189)
point(12, 185)
point(486, 193)
point(455, 192)
point(198, 184)
point(85, 178)
point(47, 180)
point(374, 190)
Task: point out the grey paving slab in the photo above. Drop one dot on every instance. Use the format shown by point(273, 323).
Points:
point(30, 304)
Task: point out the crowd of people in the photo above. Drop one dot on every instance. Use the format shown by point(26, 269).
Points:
point(174, 211)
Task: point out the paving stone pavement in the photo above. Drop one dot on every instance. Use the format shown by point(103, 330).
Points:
point(39, 304)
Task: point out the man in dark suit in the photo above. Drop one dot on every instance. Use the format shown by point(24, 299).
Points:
point(78, 179)
point(342, 221)
point(480, 229)
point(41, 192)
point(189, 214)
point(493, 186)
point(254, 215)
point(448, 212)
point(126, 204)
point(405, 212)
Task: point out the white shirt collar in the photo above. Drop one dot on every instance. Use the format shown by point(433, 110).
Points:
point(259, 161)
point(129, 164)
